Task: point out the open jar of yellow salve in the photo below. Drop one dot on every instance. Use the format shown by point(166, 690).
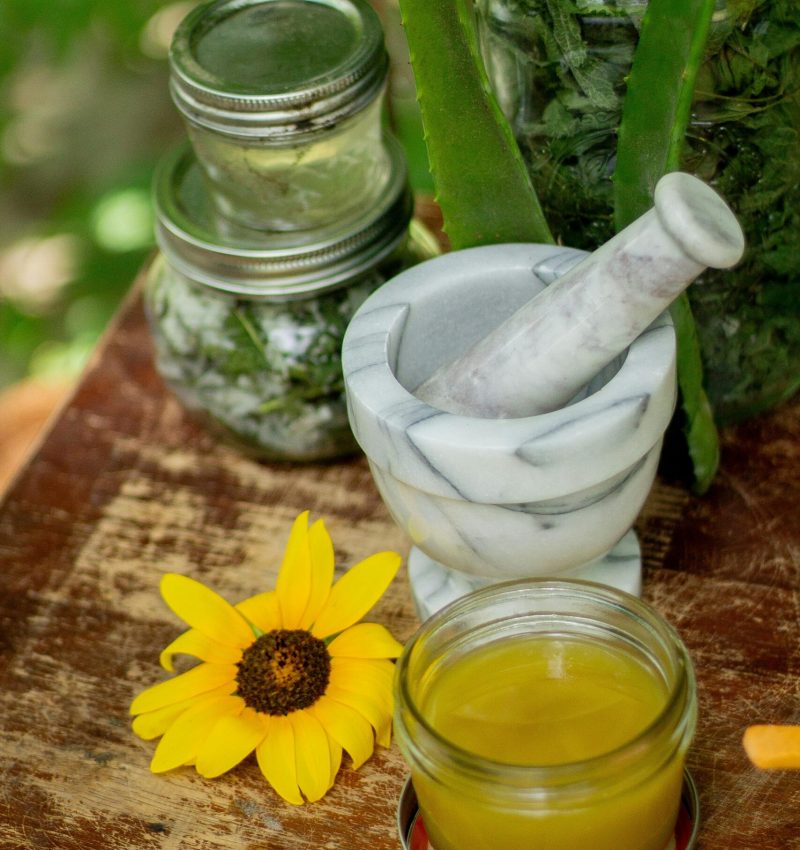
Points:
point(544, 714)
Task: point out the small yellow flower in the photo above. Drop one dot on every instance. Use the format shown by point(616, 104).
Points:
point(289, 673)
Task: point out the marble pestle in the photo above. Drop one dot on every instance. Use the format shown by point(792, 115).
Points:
point(540, 357)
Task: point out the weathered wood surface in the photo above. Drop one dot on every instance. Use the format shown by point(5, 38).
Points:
point(125, 487)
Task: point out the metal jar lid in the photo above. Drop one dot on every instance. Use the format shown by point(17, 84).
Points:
point(208, 249)
point(275, 70)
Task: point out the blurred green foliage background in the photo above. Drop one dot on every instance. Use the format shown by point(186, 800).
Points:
point(85, 113)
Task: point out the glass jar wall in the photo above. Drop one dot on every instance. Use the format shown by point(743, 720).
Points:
point(558, 68)
point(546, 714)
point(282, 101)
point(248, 327)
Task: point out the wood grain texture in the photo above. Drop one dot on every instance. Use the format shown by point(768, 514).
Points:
point(126, 486)
point(730, 583)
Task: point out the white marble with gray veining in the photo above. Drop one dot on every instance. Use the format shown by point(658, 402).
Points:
point(434, 586)
point(501, 498)
point(536, 360)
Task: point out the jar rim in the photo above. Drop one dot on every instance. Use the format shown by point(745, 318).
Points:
point(288, 99)
point(542, 781)
point(278, 265)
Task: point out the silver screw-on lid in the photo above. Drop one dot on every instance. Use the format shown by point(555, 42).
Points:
point(276, 70)
point(208, 249)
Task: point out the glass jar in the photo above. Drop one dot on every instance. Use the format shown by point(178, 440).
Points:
point(559, 67)
point(282, 101)
point(546, 714)
point(248, 326)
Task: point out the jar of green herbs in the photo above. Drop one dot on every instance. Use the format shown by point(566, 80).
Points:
point(558, 68)
point(248, 325)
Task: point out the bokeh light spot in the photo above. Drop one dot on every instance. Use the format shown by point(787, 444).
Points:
point(34, 271)
point(158, 31)
point(123, 221)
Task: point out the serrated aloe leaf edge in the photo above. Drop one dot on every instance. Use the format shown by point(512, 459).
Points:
point(482, 184)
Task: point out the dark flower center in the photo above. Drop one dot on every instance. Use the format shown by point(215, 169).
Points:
point(283, 671)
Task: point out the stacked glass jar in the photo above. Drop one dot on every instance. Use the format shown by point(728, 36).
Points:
point(559, 69)
point(290, 206)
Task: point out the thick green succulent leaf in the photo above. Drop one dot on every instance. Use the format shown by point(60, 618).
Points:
point(655, 117)
point(482, 185)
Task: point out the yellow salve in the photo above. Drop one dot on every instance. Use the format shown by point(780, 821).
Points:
point(548, 701)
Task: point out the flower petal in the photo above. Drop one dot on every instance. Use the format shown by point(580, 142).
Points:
point(198, 645)
point(205, 610)
point(365, 640)
point(347, 727)
point(153, 724)
point(276, 758)
point(368, 691)
point(381, 669)
point(365, 704)
point(262, 611)
point(336, 761)
point(320, 547)
point(373, 676)
point(313, 755)
point(185, 737)
point(384, 735)
point(355, 593)
point(192, 683)
point(294, 579)
point(232, 739)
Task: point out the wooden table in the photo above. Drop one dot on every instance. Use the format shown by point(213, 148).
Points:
point(125, 487)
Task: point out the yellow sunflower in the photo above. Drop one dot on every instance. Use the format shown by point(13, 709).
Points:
point(289, 673)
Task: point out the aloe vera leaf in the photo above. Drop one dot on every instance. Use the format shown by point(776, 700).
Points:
point(482, 185)
point(699, 429)
point(655, 116)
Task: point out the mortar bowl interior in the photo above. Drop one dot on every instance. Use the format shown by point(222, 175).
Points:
point(538, 495)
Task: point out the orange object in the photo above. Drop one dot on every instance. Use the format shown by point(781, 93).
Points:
point(25, 408)
point(773, 746)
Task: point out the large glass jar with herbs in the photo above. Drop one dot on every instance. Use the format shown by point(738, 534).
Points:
point(248, 325)
point(559, 67)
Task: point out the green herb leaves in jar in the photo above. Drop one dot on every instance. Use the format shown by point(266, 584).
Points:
point(248, 326)
point(267, 372)
point(559, 67)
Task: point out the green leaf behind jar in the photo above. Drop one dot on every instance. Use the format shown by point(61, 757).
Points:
point(482, 185)
point(655, 117)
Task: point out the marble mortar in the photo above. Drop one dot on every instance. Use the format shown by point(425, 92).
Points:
point(486, 500)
